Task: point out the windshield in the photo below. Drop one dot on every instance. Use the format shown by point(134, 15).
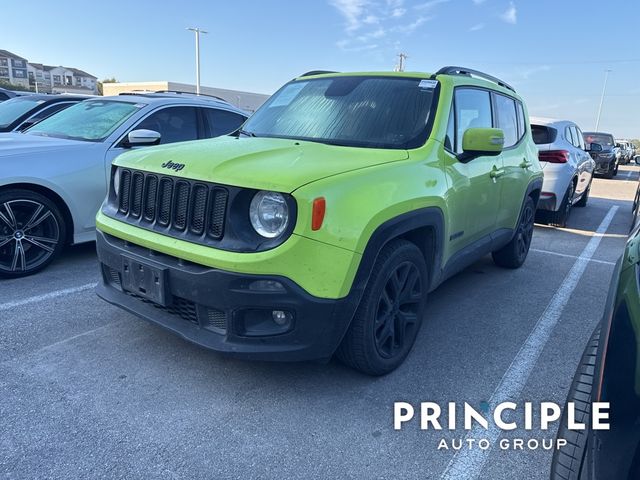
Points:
point(603, 139)
point(14, 108)
point(91, 120)
point(358, 111)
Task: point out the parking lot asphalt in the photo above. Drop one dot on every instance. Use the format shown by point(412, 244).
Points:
point(89, 391)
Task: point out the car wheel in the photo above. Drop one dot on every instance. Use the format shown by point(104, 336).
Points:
point(568, 461)
point(514, 253)
point(387, 321)
point(585, 197)
point(559, 218)
point(32, 233)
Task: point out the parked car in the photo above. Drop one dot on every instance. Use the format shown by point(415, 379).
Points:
point(606, 160)
point(609, 371)
point(626, 152)
point(6, 94)
point(54, 176)
point(19, 113)
point(321, 229)
point(568, 168)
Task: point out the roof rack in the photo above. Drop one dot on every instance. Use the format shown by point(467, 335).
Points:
point(151, 92)
point(191, 93)
point(468, 72)
point(316, 72)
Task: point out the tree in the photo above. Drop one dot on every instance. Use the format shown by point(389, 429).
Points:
point(106, 80)
point(13, 86)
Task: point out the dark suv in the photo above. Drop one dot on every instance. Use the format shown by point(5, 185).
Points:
point(606, 160)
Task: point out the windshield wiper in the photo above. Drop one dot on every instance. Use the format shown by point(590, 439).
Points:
point(246, 133)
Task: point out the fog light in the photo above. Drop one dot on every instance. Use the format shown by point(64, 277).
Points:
point(281, 318)
point(266, 286)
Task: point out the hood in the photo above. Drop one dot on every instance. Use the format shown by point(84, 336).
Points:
point(20, 143)
point(261, 163)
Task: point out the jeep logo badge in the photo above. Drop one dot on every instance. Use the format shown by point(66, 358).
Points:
point(173, 166)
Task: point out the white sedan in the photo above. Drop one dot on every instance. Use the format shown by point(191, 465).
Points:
point(568, 167)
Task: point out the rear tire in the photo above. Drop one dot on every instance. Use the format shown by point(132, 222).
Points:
point(567, 462)
point(514, 253)
point(32, 232)
point(388, 319)
point(559, 218)
point(585, 197)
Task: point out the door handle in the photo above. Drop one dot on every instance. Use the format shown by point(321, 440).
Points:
point(525, 164)
point(496, 173)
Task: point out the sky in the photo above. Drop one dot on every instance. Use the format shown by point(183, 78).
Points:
point(554, 52)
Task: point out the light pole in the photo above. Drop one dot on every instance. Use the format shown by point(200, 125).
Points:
point(604, 89)
point(197, 31)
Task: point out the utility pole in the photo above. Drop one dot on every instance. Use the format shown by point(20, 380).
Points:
point(401, 59)
point(604, 89)
point(197, 31)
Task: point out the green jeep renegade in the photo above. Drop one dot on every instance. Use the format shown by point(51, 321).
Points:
point(322, 225)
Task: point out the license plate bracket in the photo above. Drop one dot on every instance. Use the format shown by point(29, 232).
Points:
point(145, 280)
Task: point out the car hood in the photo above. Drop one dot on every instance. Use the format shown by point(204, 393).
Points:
point(24, 143)
point(261, 163)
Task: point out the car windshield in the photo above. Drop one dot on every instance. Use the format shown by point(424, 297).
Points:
point(603, 139)
point(358, 111)
point(14, 108)
point(91, 120)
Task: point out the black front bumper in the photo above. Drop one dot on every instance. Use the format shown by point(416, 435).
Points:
point(604, 166)
point(219, 310)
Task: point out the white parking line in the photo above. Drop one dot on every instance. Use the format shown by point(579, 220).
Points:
point(566, 255)
point(46, 296)
point(468, 464)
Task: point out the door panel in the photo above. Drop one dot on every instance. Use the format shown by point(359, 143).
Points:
point(474, 195)
point(516, 159)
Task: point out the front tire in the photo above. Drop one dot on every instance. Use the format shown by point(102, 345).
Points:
point(32, 232)
point(567, 462)
point(387, 321)
point(514, 253)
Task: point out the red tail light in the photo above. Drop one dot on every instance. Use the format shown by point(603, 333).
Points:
point(554, 156)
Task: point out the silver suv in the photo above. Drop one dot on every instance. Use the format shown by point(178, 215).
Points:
point(54, 176)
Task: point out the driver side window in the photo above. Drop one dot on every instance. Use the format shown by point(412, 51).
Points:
point(174, 124)
point(473, 110)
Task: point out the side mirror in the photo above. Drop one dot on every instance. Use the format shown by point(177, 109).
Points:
point(141, 138)
point(478, 142)
point(594, 147)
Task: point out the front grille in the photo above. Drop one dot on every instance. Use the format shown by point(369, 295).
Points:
point(183, 206)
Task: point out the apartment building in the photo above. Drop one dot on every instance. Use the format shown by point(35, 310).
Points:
point(45, 78)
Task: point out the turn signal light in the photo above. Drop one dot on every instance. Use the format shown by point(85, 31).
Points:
point(319, 209)
point(554, 156)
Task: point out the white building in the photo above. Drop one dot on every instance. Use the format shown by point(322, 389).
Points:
point(245, 100)
point(13, 69)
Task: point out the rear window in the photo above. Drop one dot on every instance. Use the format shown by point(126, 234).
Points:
point(604, 139)
point(543, 135)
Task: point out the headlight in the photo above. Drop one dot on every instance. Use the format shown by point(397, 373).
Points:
point(116, 181)
point(269, 214)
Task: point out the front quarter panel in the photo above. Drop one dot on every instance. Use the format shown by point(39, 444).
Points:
point(359, 202)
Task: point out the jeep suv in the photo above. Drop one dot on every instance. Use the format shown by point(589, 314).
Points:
point(323, 225)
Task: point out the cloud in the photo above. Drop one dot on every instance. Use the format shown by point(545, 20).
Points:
point(510, 15)
point(410, 28)
point(476, 27)
point(353, 12)
point(430, 4)
point(398, 12)
point(478, 2)
point(526, 74)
